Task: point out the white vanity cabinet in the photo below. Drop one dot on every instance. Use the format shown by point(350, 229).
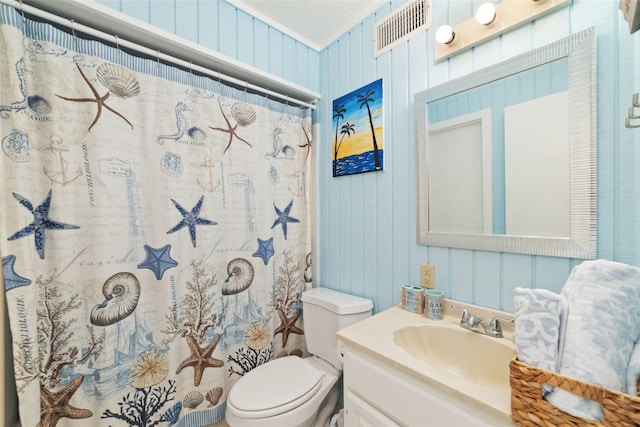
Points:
point(377, 394)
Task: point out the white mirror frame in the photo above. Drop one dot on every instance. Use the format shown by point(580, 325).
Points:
point(580, 50)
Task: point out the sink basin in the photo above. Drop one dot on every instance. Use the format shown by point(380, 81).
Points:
point(478, 358)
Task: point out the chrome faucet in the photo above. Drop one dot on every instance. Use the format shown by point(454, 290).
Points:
point(474, 323)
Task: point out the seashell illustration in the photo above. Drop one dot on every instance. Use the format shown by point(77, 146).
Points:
point(240, 276)
point(120, 81)
point(193, 399)
point(39, 105)
point(243, 113)
point(151, 368)
point(214, 395)
point(197, 134)
point(273, 175)
point(121, 291)
point(173, 413)
point(308, 272)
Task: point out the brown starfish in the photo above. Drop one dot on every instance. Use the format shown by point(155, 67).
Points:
point(288, 326)
point(200, 358)
point(55, 405)
point(231, 130)
point(308, 144)
point(100, 100)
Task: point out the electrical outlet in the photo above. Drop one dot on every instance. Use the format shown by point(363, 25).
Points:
point(427, 276)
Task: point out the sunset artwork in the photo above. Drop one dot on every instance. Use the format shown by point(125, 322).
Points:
point(358, 137)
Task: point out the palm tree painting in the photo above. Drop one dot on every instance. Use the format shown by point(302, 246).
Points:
point(358, 139)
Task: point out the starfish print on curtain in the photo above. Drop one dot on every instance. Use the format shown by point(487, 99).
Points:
point(288, 326)
point(200, 358)
point(41, 222)
point(190, 219)
point(55, 405)
point(284, 218)
point(11, 278)
point(158, 260)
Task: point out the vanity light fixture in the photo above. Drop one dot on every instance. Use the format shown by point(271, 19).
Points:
point(445, 35)
point(486, 14)
point(491, 20)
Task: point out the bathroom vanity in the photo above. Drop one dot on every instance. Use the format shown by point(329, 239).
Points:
point(402, 369)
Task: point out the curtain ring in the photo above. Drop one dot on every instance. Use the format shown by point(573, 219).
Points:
point(246, 86)
point(73, 33)
point(24, 19)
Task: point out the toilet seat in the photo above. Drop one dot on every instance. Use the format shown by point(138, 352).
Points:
point(274, 388)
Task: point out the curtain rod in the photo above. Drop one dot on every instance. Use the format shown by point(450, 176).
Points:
point(76, 26)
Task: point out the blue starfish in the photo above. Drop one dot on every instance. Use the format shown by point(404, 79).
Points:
point(190, 219)
point(11, 279)
point(158, 260)
point(41, 222)
point(284, 218)
point(265, 250)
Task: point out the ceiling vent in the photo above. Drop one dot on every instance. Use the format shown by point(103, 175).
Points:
point(401, 25)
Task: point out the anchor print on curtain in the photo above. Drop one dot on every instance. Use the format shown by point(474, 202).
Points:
point(154, 232)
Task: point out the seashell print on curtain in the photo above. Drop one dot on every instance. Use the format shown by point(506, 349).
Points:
point(154, 232)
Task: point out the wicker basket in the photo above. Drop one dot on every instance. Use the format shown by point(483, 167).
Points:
point(529, 409)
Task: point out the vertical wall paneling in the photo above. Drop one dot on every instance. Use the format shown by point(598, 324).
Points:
point(342, 185)
point(330, 216)
point(186, 19)
point(246, 49)
point(355, 39)
point(136, 9)
point(368, 70)
point(400, 162)
point(302, 65)
point(261, 44)
point(487, 284)
point(228, 30)
point(517, 272)
point(208, 29)
point(289, 58)
point(162, 14)
point(276, 54)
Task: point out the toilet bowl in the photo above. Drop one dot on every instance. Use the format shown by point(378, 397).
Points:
point(286, 392)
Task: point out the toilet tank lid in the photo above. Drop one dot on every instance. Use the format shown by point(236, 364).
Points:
point(338, 302)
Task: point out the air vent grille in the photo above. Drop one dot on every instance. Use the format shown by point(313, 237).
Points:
point(401, 25)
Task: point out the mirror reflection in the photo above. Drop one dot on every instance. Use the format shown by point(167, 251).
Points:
point(507, 155)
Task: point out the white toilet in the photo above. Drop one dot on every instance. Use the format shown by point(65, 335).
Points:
point(292, 391)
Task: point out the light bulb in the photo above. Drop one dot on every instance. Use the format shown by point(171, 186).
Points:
point(486, 14)
point(445, 34)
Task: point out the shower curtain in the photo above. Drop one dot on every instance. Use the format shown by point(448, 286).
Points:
point(154, 231)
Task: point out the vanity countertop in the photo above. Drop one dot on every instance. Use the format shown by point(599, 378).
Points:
point(374, 337)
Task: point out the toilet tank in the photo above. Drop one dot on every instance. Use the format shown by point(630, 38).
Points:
point(325, 312)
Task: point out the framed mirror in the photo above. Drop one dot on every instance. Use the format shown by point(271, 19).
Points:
point(506, 156)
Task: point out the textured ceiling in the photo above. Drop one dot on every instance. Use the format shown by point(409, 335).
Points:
point(313, 22)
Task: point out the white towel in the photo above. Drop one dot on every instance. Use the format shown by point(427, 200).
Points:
point(538, 314)
point(603, 323)
point(633, 371)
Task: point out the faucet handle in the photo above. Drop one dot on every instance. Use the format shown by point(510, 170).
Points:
point(495, 328)
point(465, 313)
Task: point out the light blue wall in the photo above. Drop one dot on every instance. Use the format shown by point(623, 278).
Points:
point(366, 223)
point(219, 26)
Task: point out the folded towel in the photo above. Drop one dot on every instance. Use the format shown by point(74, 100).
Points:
point(539, 316)
point(633, 371)
point(603, 323)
